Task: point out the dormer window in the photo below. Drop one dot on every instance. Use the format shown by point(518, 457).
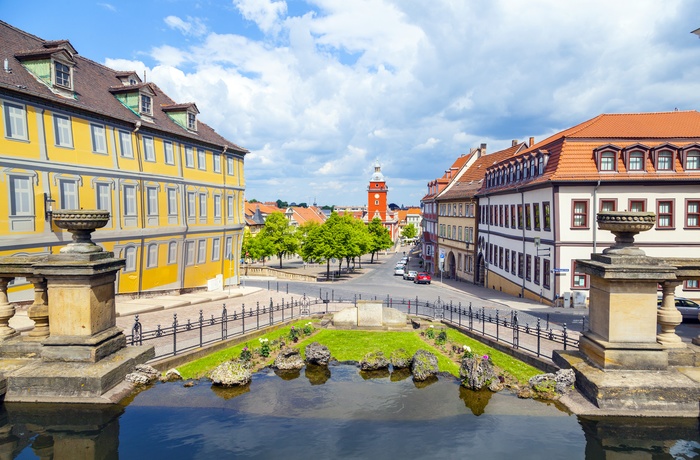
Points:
point(191, 121)
point(540, 165)
point(146, 104)
point(62, 75)
point(692, 160)
point(607, 161)
point(635, 161)
point(664, 161)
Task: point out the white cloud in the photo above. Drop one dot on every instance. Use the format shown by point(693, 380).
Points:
point(264, 13)
point(108, 7)
point(193, 26)
point(327, 90)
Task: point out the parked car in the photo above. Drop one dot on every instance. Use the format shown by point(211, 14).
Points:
point(688, 308)
point(398, 270)
point(410, 275)
point(422, 278)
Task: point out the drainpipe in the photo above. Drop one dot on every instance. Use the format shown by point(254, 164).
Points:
point(488, 243)
point(224, 164)
point(522, 203)
point(595, 211)
point(137, 126)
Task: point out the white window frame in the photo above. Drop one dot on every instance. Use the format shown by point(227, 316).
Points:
point(172, 201)
point(149, 151)
point(145, 104)
point(216, 158)
point(229, 206)
point(103, 200)
point(217, 206)
point(228, 247)
point(189, 157)
point(191, 204)
point(202, 201)
point(168, 153)
point(229, 166)
point(15, 121)
point(172, 253)
point(191, 121)
point(201, 159)
point(126, 149)
point(201, 251)
point(152, 201)
point(152, 256)
point(215, 249)
point(58, 80)
point(68, 193)
point(130, 208)
point(62, 130)
point(98, 135)
point(189, 253)
point(130, 256)
point(21, 198)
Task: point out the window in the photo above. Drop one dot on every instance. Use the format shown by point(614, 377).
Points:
point(15, 121)
point(546, 273)
point(68, 190)
point(636, 161)
point(608, 161)
point(146, 106)
point(520, 265)
point(201, 159)
point(664, 214)
point(215, 249)
point(520, 216)
point(532, 168)
point(21, 194)
point(540, 165)
point(578, 280)
point(459, 233)
point(217, 162)
point(217, 206)
point(202, 205)
point(536, 214)
point(692, 213)
point(638, 205)
point(512, 216)
point(172, 252)
point(506, 261)
point(189, 157)
point(99, 138)
point(229, 206)
point(537, 270)
point(191, 204)
point(201, 251)
point(62, 131)
point(528, 221)
point(125, 144)
point(500, 257)
point(130, 200)
point(608, 205)
point(152, 257)
point(172, 202)
point(149, 153)
point(168, 152)
point(189, 253)
point(228, 247)
point(528, 267)
point(664, 161)
point(191, 121)
point(229, 166)
point(546, 208)
point(152, 201)
point(506, 218)
point(104, 197)
point(579, 214)
point(692, 160)
point(130, 256)
point(691, 285)
point(62, 75)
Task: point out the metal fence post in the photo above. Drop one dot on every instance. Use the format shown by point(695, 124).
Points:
point(257, 315)
point(565, 336)
point(483, 320)
point(174, 334)
point(243, 318)
point(516, 330)
point(136, 332)
point(496, 325)
point(224, 324)
point(538, 337)
point(201, 325)
point(272, 314)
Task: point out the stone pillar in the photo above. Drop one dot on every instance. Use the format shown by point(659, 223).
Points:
point(7, 311)
point(669, 317)
point(39, 310)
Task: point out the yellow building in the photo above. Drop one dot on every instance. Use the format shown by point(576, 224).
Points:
point(79, 135)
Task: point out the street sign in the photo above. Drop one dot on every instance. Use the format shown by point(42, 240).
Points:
point(560, 270)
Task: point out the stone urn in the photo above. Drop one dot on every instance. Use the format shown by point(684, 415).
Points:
point(625, 225)
point(81, 223)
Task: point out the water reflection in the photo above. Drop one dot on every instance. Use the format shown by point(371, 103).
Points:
point(344, 417)
point(398, 375)
point(290, 374)
point(376, 374)
point(317, 375)
point(230, 392)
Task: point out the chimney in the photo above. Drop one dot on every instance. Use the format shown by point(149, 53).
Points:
point(514, 143)
point(532, 141)
point(483, 149)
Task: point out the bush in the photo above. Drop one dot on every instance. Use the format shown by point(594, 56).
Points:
point(441, 338)
point(430, 333)
point(246, 355)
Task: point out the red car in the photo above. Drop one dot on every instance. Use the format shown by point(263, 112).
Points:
point(421, 278)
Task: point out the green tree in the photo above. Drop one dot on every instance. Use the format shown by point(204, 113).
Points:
point(282, 204)
point(409, 231)
point(280, 235)
point(381, 239)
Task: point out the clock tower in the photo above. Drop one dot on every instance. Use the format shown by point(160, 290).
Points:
point(376, 195)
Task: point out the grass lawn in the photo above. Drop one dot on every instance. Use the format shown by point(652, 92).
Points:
point(351, 345)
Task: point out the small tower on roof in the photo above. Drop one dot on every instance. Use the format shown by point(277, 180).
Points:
point(377, 195)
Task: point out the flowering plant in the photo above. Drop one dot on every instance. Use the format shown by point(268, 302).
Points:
point(246, 354)
point(308, 328)
point(441, 338)
point(264, 347)
point(430, 333)
point(485, 357)
point(468, 352)
point(294, 334)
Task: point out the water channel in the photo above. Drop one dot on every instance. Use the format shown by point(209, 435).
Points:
point(334, 412)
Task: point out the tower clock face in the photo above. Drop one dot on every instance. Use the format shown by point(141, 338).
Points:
point(376, 195)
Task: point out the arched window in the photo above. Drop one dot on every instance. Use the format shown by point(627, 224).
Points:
point(636, 161)
point(608, 161)
point(130, 256)
point(152, 259)
point(664, 161)
point(540, 165)
point(692, 160)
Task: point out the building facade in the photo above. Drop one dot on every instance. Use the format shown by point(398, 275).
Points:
point(79, 135)
point(538, 208)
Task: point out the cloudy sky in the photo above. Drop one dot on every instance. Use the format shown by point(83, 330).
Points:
point(318, 90)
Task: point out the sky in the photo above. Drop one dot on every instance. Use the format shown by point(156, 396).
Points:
point(320, 90)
